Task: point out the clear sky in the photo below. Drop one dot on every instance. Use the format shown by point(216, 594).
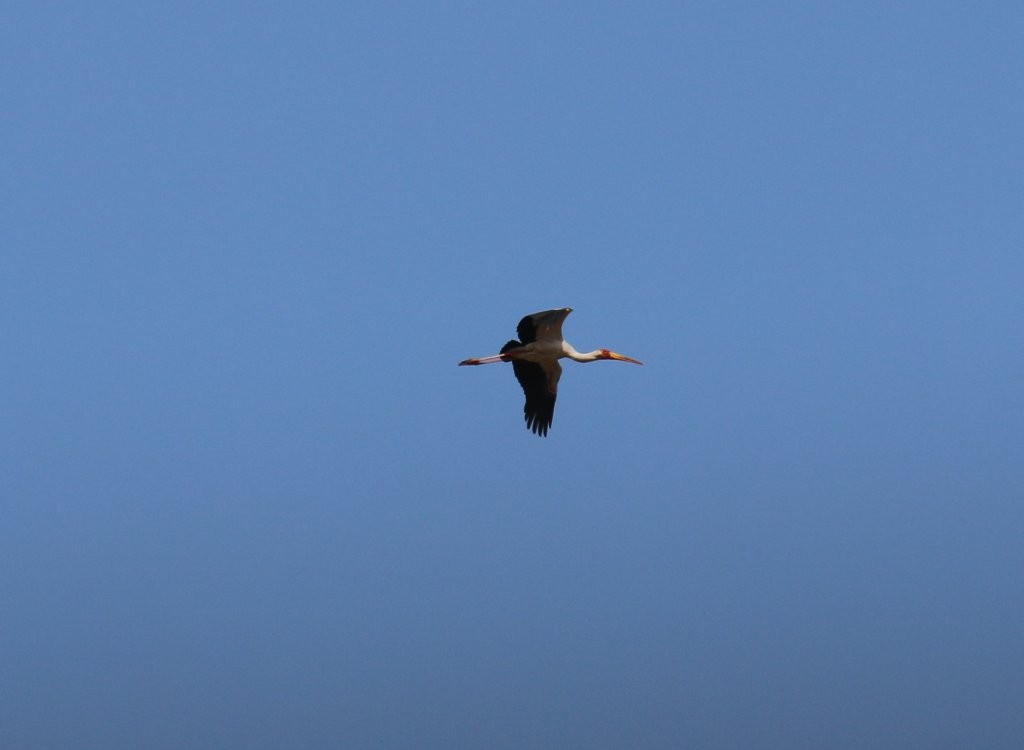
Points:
point(249, 500)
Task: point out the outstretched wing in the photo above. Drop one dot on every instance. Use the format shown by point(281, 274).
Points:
point(541, 389)
point(542, 325)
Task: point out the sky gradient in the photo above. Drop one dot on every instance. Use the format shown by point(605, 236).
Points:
point(250, 500)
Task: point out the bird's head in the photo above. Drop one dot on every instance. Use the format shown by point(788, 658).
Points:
point(608, 354)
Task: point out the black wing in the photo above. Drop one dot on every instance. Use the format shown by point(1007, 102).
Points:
point(539, 409)
point(527, 330)
point(546, 324)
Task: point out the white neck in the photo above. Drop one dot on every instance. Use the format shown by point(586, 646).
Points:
point(576, 356)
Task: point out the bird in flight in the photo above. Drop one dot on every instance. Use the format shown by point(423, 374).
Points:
point(534, 360)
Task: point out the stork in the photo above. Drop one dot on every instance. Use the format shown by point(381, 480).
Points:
point(534, 361)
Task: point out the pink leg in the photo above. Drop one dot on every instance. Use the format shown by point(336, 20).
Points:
point(485, 360)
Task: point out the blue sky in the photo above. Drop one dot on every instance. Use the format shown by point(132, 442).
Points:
point(250, 500)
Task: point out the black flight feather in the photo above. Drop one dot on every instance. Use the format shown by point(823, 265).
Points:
point(527, 330)
point(539, 410)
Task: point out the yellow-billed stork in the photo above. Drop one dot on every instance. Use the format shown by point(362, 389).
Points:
point(534, 360)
